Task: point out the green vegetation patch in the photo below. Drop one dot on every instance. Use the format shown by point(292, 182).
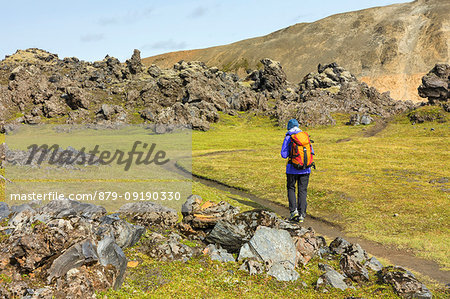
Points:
point(428, 114)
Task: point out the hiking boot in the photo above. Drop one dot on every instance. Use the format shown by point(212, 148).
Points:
point(294, 216)
point(300, 218)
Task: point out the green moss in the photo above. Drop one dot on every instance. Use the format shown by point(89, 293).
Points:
point(189, 243)
point(36, 223)
point(135, 118)
point(5, 279)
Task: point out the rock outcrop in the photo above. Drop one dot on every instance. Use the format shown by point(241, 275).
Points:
point(334, 89)
point(38, 87)
point(436, 86)
point(271, 78)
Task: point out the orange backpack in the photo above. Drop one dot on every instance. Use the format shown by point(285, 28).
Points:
point(301, 151)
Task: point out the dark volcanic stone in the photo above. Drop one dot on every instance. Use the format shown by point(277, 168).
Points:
point(111, 254)
point(339, 245)
point(436, 84)
point(404, 282)
point(332, 278)
point(134, 63)
point(79, 254)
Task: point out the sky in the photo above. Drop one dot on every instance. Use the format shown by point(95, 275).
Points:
point(92, 29)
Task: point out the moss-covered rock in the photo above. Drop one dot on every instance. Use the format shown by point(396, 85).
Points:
point(428, 113)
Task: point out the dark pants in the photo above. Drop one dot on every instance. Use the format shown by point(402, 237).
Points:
point(297, 203)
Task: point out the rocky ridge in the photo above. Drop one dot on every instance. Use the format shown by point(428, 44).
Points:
point(38, 87)
point(334, 89)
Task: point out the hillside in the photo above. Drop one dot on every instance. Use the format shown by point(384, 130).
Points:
point(389, 47)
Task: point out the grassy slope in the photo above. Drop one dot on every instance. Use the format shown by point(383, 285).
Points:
point(359, 184)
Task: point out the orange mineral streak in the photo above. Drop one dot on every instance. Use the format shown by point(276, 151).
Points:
point(206, 205)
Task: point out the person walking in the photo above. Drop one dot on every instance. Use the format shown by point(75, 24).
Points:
point(297, 147)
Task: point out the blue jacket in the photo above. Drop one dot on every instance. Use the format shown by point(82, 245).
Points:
point(285, 153)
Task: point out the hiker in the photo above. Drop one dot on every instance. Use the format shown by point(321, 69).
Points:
point(297, 147)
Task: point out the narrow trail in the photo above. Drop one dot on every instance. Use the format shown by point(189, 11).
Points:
point(396, 256)
point(378, 127)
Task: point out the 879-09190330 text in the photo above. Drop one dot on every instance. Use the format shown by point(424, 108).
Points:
point(99, 195)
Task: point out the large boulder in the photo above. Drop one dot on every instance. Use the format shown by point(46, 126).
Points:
point(307, 244)
point(125, 233)
point(339, 245)
point(276, 249)
point(283, 271)
point(76, 98)
point(77, 255)
point(436, 84)
point(354, 269)
point(271, 78)
point(273, 245)
point(109, 253)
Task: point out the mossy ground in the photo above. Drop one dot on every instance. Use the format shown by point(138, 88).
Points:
point(428, 113)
